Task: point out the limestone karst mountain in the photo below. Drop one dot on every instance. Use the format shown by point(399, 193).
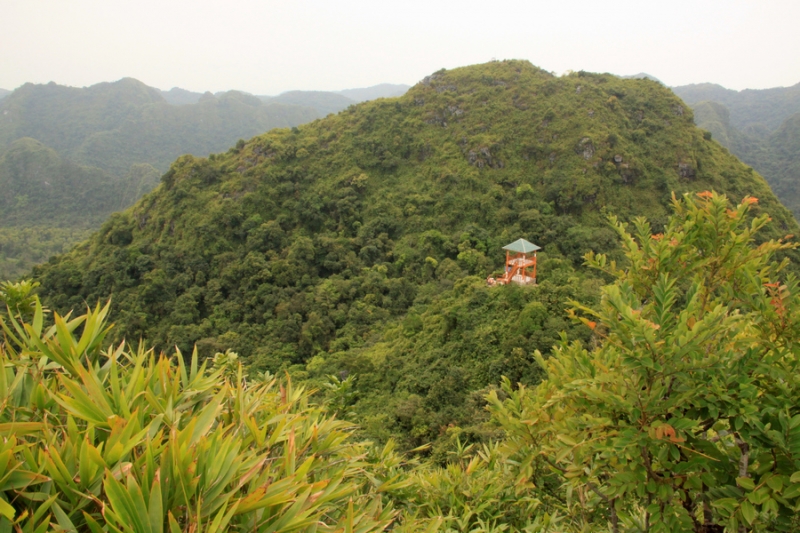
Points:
point(359, 243)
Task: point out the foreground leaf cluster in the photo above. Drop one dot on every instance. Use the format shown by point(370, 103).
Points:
point(125, 440)
point(684, 416)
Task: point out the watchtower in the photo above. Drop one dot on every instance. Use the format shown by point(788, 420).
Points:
point(520, 263)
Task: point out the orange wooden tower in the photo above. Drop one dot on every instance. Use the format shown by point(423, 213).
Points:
point(520, 263)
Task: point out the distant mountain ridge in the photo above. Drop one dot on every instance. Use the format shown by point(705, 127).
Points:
point(749, 107)
point(178, 96)
point(4, 93)
point(114, 125)
point(760, 126)
point(324, 102)
point(383, 90)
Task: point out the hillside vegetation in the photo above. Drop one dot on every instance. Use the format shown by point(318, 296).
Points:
point(680, 414)
point(359, 244)
point(758, 126)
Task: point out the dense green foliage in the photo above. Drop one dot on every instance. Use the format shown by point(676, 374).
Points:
point(357, 244)
point(760, 127)
point(123, 440)
point(680, 413)
point(684, 412)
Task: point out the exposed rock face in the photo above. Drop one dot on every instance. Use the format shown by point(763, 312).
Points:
point(482, 157)
point(686, 171)
point(585, 148)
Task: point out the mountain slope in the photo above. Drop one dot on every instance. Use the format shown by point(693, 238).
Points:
point(111, 137)
point(359, 243)
point(780, 159)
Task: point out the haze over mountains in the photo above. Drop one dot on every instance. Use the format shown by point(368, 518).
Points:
point(130, 133)
point(323, 101)
point(115, 139)
point(761, 127)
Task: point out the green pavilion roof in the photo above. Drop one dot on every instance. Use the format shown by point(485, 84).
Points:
point(521, 246)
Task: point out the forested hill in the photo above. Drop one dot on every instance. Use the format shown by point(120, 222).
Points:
point(127, 132)
point(758, 126)
point(114, 125)
point(358, 244)
point(34, 179)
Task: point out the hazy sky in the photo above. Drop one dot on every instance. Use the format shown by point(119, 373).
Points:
point(266, 46)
